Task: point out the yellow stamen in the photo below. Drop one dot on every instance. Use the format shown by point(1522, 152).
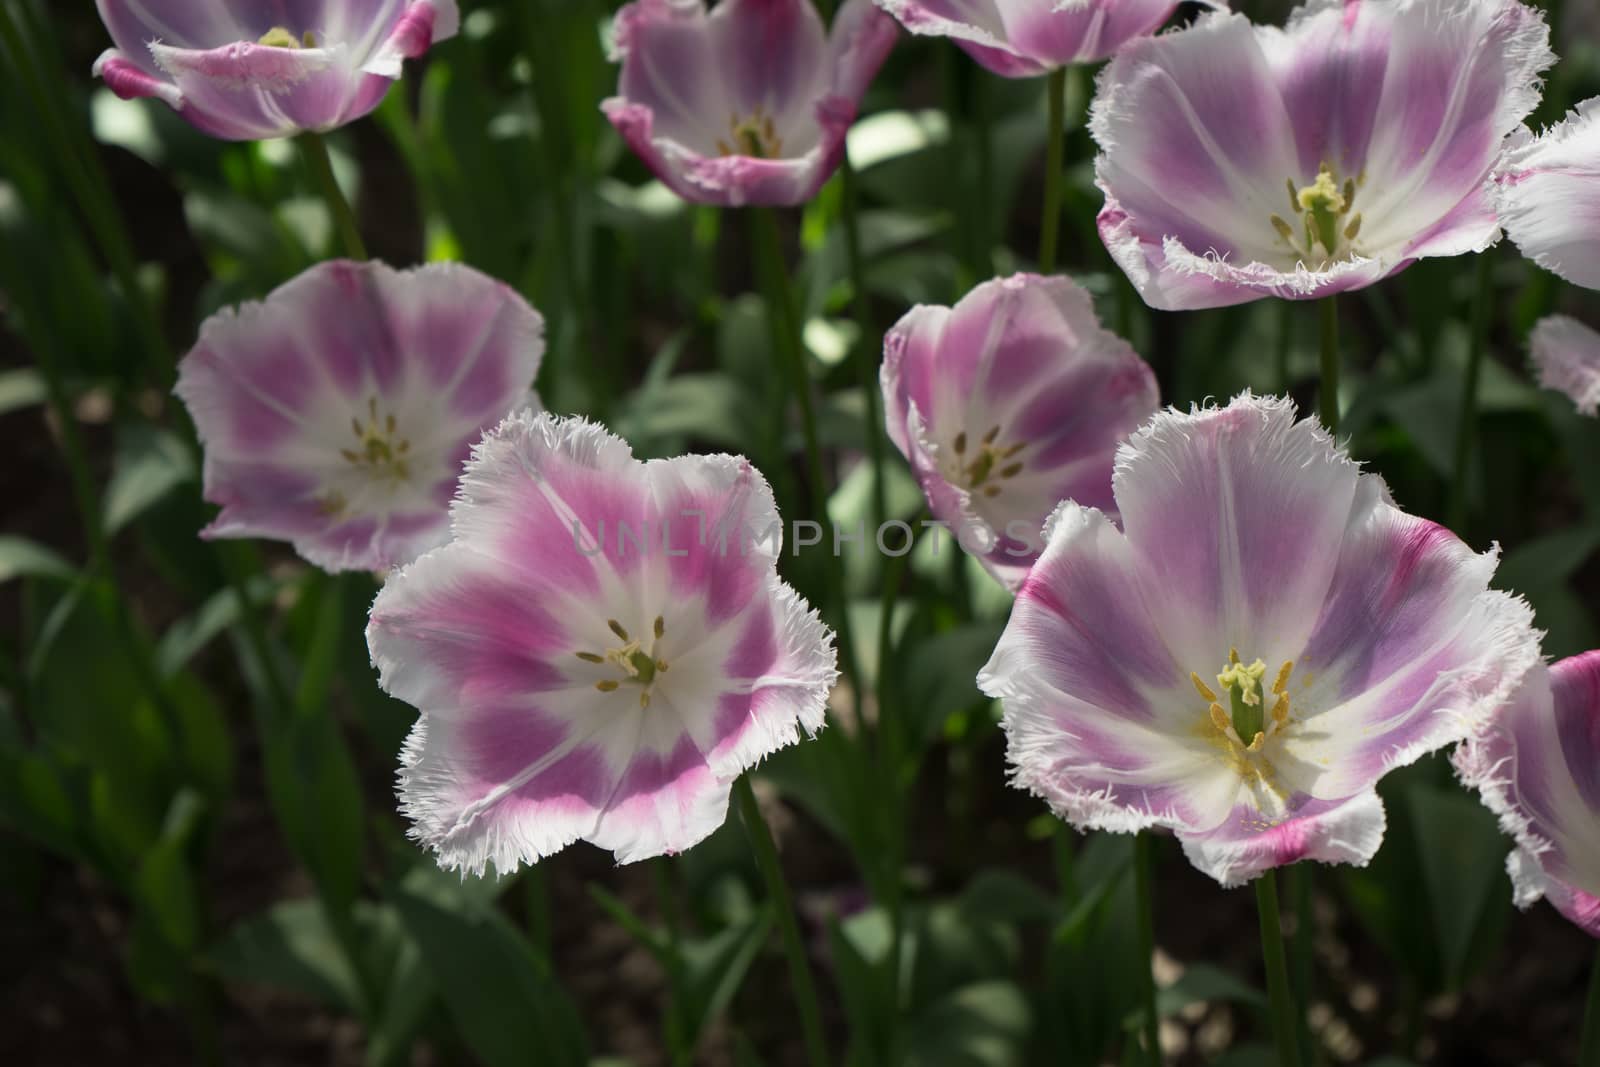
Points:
point(1205, 691)
point(616, 628)
point(1219, 718)
point(1282, 684)
point(1280, 710)
point(607, 686)
point(590, 657)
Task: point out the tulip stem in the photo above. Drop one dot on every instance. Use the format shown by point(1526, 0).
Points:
point(1055, 151)
point(1328, 396)
point(1467, 424)
point(315, 150)
point(1281, 996)
point(1301, 956)
point(866, 351)
point(1144, 846)
point(1589, 1051)
point(805, 989)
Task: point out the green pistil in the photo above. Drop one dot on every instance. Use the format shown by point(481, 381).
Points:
point(1324, 206)
point(644, 667)
point(278, 37)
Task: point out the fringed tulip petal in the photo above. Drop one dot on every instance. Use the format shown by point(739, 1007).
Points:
point(1025, 38)
point(1537, 766)
point(1241, 162)
point(1265, 637)
point(1567, 355)
point(1548, 192)
point(746, 104)
point(239, 72)
point(602, 648)
point(337, 413)
point(1009, 403)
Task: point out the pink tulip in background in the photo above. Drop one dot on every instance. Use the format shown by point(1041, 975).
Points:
point(247, 72)
point(748, 104)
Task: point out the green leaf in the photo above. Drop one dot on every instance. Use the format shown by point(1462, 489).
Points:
point(1462, 852)
point(503, 999)
point(941, 676)
point(1200, 983)
point(22, 558)
point(986, 1024)
point(21, 388)
point(317, 796)
point(149, 464)
point(167, 920)
point(288, 946)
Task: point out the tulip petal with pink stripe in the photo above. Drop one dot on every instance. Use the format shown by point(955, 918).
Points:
point(1537, 766)
point(1549, 197)
point(600, 651)
point(337, 413)
point(244, 72)
point(746, 104)
point(1242, 162)
point(1249, 543)
point(1009, 403)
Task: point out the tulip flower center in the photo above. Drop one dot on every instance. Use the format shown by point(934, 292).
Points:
point(380, 452)
point(635, 665)
point(755, 135)
point(1245, 724)
point(984, 468)
point(278, 37)
point(1327, 230)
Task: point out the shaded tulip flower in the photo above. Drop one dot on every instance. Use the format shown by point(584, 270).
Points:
point(748, 104)
point(1567, 356)
point(601, 650)
point(1333, 154)
point(1265, 637)
point(247, 72)
point(1008, 403)
point(1024, 38)
point(1549, 196)
point(1537, 766)
point(338, 412)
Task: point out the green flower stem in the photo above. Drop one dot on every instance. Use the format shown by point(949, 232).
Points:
point(1144, 863)
point(867, 351)
point(1467, 422)
point(1328, 398)
point(1589, 1051)
point(786, 325)
point(805, 988)
point(1284, 1007)
point(315, 149)
point(1301, 956)
point(1055, 151)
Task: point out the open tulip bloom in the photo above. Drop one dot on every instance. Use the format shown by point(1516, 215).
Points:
point(1263, 639)
point(250, 71)
point(1567, 356)
point(601, 650)
point(338, 412)
point(1549, 197)
point(1024, 38)
point(1240, 162)
point(1537, 766)
point(1008, 403)
point(747, 104)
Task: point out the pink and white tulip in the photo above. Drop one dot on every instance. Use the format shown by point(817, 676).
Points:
point(248, 72)
point(1241, 162)
point(1537, 766)
point(1008, 403)
point(1025, 38)
point(1549, 197)
point(1261, 641)
point(1567, 356)
point(338, 412)
point(748, 104)
point(601, 650)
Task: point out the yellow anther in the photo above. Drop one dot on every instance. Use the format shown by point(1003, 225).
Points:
point(1282, 684)
point(960, 443)
point(1219, 718)
point(606, 686)
point(661, 664)
point(1284, 229)
point(590, 657)
point(1294, 198)
point(644, 699)
point(616, 628)
point(1233, 656)
point(1256, 742)
point(1353, 229)
point(988, 438)
point(1280, 710)
point(1203, 689)
point(1011, 471)
point(661, 626)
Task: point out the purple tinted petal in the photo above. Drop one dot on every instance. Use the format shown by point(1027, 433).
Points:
point(1567, 355)
point(1249, 844)
point(772, 55)
point(1549, 197)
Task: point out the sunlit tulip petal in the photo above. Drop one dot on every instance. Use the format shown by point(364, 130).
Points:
point(254, 71)
point(1265, 637)
point(1023, 38)
point(748, 104)
point(1567, 355)
point(578, 683)
point(1008, 403)
point(1549, 197)
point(1243, 161)
point(1537, 766)
point(337, 413)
